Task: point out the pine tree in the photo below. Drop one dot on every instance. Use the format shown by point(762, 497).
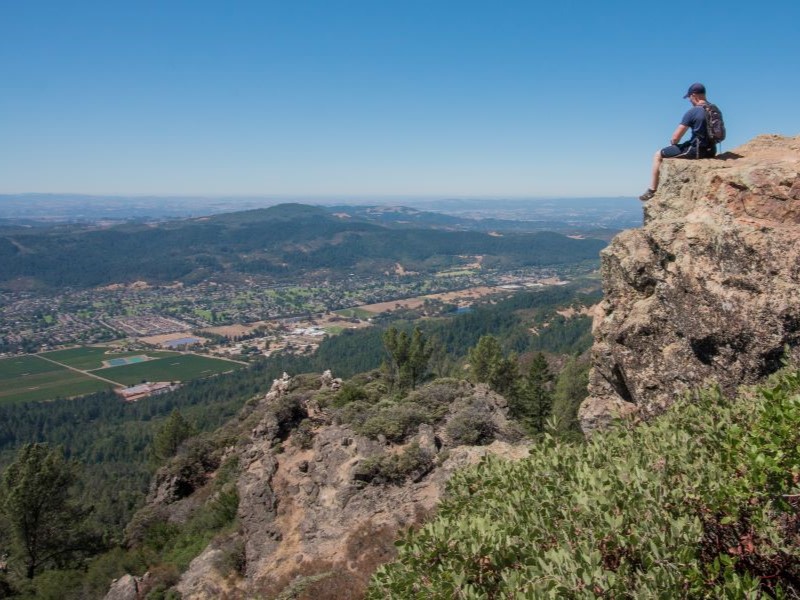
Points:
point(440, 363)
point(408, 357)
point(46, 526)
point(570, 391)
point(484, 358)
point(419, 353)
point(488, 365)
point(533, 402)
point(173, 433)
point(396, 344)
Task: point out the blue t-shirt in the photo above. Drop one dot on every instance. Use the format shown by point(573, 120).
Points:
point(695, 118)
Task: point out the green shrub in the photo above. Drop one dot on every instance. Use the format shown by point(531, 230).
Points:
point(221, 509)
point(303, 436)
point(348, 393)
point(395, 468)
point(6, 589)
point(188, 545)
point(106, 567)
point(160, 534)
point(471, 426)
point(227, 471)
point(162, 592)
point(699, 503)
point(398, 418)
point(175, 430)
point(354, 413)
point(436, 397)
point(305, 382)
point(162, 578)
point(57, 585)
point(394, 421)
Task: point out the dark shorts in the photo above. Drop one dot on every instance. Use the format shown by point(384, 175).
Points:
point(687, 150)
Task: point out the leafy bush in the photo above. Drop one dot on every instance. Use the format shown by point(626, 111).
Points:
point(394, 421)
point(54, 585)
point(354, 413)
point(437, 396)
point(471, 426)
point(348, 393)
point(162, 592)
point(398, 418)
point(222, 508)
point(305, 382)
point(395, 468)
point(701, 503)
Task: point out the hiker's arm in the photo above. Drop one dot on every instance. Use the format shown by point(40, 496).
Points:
point(676, 137)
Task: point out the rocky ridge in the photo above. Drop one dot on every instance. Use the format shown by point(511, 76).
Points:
point(708, 290)
point(318, 508)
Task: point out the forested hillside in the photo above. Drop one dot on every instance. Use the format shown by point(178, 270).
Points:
point(284, 240)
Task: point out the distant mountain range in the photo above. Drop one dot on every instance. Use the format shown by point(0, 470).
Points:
point(596, 216)
point(286, 240)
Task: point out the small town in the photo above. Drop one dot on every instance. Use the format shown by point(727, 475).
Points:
point(251, 316)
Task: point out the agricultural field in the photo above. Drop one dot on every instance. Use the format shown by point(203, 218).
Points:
point(87, 358)
point(176, 367)
point(27, 378)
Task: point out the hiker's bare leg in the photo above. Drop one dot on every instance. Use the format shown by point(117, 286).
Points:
point(656, 167)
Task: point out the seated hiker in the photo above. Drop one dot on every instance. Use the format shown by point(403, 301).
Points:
point(700, 145)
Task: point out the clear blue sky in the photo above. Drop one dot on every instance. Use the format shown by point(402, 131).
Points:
point(376, 97)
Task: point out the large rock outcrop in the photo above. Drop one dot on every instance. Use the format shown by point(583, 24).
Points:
point(708, 290)
point(320, 502)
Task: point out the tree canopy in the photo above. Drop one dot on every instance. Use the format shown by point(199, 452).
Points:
point(46, 527)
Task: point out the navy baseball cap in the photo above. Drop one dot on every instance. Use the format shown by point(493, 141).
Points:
point(696, 88)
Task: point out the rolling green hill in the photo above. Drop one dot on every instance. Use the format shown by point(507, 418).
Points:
point(283, 240)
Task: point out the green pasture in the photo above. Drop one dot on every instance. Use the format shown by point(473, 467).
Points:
point(178, 367)
point(358, 313)
point(91, 357)
point(27, 378)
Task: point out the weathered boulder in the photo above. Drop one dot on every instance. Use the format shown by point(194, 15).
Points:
point(708, 290)
point(128, 587)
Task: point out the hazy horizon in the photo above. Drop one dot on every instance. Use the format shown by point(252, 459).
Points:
point(84, 207)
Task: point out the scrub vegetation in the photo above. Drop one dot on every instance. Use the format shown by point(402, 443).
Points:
point(700, 503)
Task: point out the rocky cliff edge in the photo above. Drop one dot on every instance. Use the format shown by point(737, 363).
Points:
point(708, 290)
